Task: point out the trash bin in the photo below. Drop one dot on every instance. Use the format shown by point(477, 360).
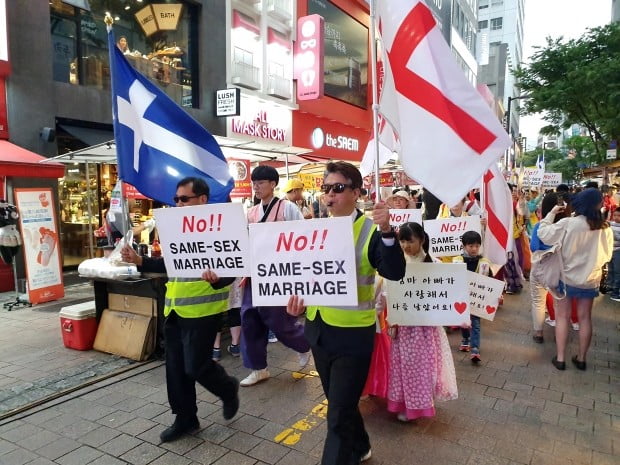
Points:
point(78, 324)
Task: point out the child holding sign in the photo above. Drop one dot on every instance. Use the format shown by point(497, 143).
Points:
point(478, 264)
point(421, 365)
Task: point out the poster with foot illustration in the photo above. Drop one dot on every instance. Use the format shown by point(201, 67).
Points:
point(41, 244)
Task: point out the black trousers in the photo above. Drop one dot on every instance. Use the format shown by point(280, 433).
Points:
point(343, 375)
point(189, 344)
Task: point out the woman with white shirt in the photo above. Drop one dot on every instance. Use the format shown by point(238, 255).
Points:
point(586, 245)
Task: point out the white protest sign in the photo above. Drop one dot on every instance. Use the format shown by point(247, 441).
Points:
point(552, 179)
point(399, 216)
point(445, 234)
point(201, 237)
point(484, 294)
point(313, 259)
point(430, 294)
point(532, 176)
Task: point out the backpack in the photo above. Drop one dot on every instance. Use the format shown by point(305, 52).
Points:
point(548, 269)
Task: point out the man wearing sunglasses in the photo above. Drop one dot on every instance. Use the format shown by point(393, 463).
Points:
point(193, 310)
point(342, 338)
point(257, 321)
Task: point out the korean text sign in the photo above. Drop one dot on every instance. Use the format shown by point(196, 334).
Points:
point(484, 294)
point(313, 259)
point(430, 294)
point(202, 237)
point(445, 234)
point(400, 216)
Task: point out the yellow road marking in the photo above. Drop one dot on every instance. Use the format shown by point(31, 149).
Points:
point(292, 435)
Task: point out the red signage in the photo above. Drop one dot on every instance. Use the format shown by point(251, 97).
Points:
point(308, 57)
point(4, 120)
point(329, 139)
point(240, 171)
point(130, 192)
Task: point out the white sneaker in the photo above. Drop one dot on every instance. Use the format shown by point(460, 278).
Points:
point(549, 321)
point(402, 417)
point(575, 326)
point(255, 377)
point(366, 456)
point(304, 358)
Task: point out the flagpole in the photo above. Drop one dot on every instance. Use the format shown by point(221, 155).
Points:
point(375, 95)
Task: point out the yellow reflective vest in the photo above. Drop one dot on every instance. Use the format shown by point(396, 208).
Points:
point(194, 298)
point(363, 314)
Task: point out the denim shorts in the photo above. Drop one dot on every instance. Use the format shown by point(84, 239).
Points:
point(578, 292)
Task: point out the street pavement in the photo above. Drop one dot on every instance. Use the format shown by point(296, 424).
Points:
point(514, 408)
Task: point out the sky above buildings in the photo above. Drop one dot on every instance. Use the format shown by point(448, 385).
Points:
point(554, 18)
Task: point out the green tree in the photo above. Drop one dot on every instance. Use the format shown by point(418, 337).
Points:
point(577, 82)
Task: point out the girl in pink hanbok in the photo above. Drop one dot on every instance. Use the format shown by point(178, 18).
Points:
point(421, 365)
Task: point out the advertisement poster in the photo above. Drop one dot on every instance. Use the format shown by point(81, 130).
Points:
point(313, 259)
point(201, 237)
point(240, 172)
point(37, 219)
point(346, 53)
point(445, 234)
point(430, 294)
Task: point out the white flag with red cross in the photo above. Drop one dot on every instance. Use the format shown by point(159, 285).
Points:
point(448, 135)
point(497, 202)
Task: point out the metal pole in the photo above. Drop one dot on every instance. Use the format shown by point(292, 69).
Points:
point(90, 213)
point(286, 164)
point(507, 161)
point(375, 95)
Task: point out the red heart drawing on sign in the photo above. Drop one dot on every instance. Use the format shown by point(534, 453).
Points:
point(460, 306)
point(490, 309)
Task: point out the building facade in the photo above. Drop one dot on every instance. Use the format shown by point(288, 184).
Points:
point(500, 29)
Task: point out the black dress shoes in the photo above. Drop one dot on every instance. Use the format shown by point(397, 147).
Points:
point(558, 365)
point(579, 365)
point(180, 427)
point(231, 405)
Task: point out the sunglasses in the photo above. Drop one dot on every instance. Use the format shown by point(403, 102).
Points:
point(184, 198)
point(337, 187)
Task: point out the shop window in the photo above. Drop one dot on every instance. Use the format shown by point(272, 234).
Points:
point(163, 52)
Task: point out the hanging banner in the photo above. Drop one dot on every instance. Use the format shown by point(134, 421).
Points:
point(400, 216)
point(445, 234)
point(313, 259)
point(37, 219)
point(202, 237)
point(430, 294)
point(484, 294)
point(240, 172)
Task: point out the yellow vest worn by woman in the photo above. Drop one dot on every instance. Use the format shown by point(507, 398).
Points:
point(363, 314)
point(194, 298)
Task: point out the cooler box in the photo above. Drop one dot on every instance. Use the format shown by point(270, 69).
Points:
point(78, 324)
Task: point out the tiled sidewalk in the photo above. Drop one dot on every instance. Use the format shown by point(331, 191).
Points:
point(514, 408)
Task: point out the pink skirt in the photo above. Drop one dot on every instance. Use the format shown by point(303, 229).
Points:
point(377, 381)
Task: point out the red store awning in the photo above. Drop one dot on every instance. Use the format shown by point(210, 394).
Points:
point(16, 161)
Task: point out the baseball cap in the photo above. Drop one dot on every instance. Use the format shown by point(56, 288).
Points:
point(291, 184)
point(402, 193)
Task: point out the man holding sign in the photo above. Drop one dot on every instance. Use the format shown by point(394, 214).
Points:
point(342, 338)
point(193, 310)
point(256, 321)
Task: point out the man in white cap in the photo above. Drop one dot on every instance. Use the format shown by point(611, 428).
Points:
point(399, 199)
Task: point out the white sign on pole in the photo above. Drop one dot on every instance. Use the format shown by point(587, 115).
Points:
point(552, 179)
point(202, 237)
point(611, 154)
point(400, 216)
point(484, 294)
point(445, 234)
point(430, 294)
point(532, 177)
point(313, 259)
point(227, 102)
